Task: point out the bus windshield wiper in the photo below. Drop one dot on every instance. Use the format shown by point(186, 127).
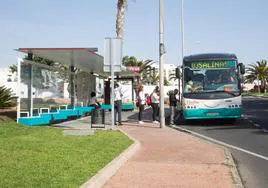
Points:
point(220, 91)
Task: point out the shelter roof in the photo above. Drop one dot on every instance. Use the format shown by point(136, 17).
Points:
point(85, 59)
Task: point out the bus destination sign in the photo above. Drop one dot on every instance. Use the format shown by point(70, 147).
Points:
point(211, 64)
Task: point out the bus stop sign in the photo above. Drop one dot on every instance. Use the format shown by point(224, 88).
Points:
point(112, 54)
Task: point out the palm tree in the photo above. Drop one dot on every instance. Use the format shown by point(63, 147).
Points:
point(7, 98)
point(154, 79)
point(166, 82)
point(258, 71)
point(130, 61)
point(144, 67)
point(120, 17)
point(13, 68)
point(145, 70)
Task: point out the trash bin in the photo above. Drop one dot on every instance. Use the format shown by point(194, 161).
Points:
point(98, 117)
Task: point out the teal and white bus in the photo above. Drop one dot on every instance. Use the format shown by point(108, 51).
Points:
point(211, 86)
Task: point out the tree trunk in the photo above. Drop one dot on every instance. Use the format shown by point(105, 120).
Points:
point(120, 17)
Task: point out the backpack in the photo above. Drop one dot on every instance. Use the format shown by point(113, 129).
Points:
point(148, 100)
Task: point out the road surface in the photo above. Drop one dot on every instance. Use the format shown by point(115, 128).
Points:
point(248, 143)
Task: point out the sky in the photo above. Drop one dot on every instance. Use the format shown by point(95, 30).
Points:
point(228, 26)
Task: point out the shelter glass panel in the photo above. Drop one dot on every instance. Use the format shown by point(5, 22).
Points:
point(43, 87)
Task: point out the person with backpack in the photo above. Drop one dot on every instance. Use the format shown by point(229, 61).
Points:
point(148, 99)
point(155, 96)
point(141, 102)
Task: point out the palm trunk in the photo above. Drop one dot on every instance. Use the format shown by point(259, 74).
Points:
point(263, 85)
point(120, 17)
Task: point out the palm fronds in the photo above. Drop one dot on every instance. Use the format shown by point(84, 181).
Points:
point(7, 98)
point(257, 71)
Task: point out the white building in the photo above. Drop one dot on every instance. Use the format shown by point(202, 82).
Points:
point(7, 76)
point(8, 79)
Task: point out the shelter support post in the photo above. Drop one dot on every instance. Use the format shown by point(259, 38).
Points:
point(132, 89)
point(30, 86)
point(18, 86)
point(72, 86)
point(107, 92)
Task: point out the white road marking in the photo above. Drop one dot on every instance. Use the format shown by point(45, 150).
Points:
point(256, 125)
point(223, 143)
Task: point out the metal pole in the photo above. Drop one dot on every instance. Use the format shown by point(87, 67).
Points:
point(161, 62)
point(179, 85)
point(31, 95)
point(72, 85)
point(18, 87)
point(112, 83)
point(182, 48)
point(30, 85)
point(182, 30)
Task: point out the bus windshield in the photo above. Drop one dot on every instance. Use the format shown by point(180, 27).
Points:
point(211, 76)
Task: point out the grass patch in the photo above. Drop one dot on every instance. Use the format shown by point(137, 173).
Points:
point(44, 157)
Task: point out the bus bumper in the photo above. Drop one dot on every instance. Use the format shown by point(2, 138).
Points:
point(212, 113)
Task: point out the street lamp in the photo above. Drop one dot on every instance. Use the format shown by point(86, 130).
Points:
point(182, 29)
point(161, 62)
point(178, 72)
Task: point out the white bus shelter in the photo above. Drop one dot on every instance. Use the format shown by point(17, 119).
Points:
point(74, 72)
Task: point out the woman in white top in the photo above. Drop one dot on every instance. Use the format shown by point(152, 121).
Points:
point(141, 101)
point(155, 96)
point(118, 94)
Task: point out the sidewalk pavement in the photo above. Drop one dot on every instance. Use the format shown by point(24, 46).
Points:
point(169, 158)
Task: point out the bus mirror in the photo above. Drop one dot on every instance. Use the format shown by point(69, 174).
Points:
point(187, 73)
point(242, 68)
point(178, 74)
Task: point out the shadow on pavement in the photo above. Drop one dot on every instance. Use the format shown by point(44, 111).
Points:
point(147, 116)
point(214, 124)
point(217, 124)
point(260, 132)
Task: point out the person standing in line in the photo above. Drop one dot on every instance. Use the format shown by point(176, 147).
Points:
point(173, 104)
point(155, 96)
point(141, 101)
point(93, 100)
point(118, 94)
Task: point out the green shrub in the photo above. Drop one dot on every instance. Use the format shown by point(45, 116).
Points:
point(7, 98)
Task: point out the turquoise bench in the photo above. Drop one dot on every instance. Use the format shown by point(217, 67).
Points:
point(83, 110)
point(59, 116)
point(69, 112)
point(42, 119)
point(125, 106)
point(48, 118)
point(106, 106)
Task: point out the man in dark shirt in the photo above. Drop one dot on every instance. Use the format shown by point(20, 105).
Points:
point(173, 104)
